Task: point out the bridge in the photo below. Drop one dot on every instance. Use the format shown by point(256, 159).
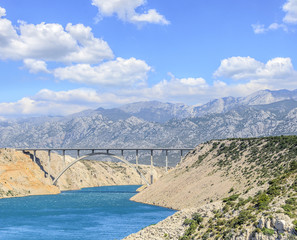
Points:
point(105, 152)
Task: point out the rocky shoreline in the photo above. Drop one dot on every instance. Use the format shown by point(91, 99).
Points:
point(237, 189)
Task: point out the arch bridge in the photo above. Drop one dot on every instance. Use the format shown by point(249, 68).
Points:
point(105, 152)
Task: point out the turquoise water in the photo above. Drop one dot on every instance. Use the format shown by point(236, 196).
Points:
point(100, 213)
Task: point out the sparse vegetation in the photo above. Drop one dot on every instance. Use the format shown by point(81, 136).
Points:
point(271, 165)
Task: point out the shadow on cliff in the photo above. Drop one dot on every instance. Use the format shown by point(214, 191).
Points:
point(38, 162)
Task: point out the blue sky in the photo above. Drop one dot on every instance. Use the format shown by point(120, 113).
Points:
point(60, 57)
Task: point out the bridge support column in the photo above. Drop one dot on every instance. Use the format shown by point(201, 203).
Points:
point(152, 165)
point(77, 153)
point(166, 161)
point(49, 163)
point(34, 156)
point(181, 155)
point(137, 158)
point(64, 158)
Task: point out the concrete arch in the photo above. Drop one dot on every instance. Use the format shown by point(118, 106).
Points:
point(104, 154)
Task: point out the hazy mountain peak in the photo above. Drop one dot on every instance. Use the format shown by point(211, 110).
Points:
point(268, 96)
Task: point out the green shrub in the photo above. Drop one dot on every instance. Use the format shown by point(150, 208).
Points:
point(188, 221)
point(293, 165)
point(262, 201)
point(197, 218)
point(231, 198)
point(267, 231)
point(243, 217)
point(295, 225)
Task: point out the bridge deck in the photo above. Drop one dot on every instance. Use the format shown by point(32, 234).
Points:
point(107, 151)
point(104, 149)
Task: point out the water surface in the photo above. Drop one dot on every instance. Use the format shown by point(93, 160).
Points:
point(101, 213)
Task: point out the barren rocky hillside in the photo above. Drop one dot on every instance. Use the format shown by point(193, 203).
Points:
point(229, 189)
point(19, 176)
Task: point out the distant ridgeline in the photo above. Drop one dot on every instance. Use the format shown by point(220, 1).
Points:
point(156, 124)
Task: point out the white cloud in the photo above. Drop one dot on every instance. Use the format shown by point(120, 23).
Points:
point(118, 72)
point(126, 11)
point(291, 12)
point(238, 67)
point(249, 76)
point(275, 26)
point(193, 81)
point(242, 68)
point(75, 46)
point(2, 12)
point(81, 95)
point(152, 16)
point(51, 42)
point(48, 102)
point(35, 66)
point(186, 90)
point(290, 7)
point(260, 28)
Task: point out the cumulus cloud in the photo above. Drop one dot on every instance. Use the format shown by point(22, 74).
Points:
point(126, 11)
point(186, 90)
point(291, 12)
point(240, 68)
point(118, 72)
point(51, 42)
point(48, 102)
point(35, 66)
point(244, 75)
point(88, 59)
point(2, 12)
point(290, 7)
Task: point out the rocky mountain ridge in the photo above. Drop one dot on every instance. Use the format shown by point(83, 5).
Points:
point(169, 125)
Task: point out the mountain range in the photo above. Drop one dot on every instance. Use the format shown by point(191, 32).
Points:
point(157, 124)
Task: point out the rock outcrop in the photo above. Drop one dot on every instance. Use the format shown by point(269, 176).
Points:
point(19, 176)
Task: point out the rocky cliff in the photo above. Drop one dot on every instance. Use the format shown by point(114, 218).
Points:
point(229, 189)
point(20, 176)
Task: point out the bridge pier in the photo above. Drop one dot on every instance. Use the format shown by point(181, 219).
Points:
point(49, 164)
point(34, 156)
point(181, 155)
point(136, 158)
point(152, 165)
point(166, 161)
point(64, 158)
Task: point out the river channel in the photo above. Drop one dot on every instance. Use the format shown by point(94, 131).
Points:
point(102, 213)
